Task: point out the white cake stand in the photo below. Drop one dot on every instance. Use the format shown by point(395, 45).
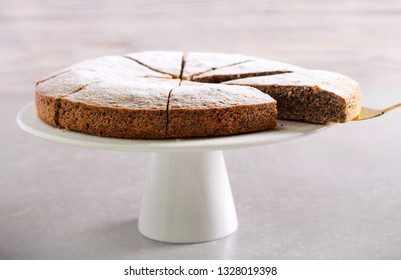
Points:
point(188, 196)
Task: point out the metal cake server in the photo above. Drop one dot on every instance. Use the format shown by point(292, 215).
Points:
point(369, 113)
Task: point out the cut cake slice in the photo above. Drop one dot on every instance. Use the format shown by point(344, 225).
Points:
point(314, 96)
point(215, 109)
point(196, 63)
point(164, 62)
point(258, 67)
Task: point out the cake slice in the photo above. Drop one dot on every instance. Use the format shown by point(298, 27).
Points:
point(117, 66)
point(314, 96)
point(49, 90)
point(101, 103)
point(253, 68)
point(123, 109)
point(160, 61)
point(196, 63)
point(197, 110)
point(120, 66)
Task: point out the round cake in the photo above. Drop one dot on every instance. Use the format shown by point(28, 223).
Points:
point(155, 95)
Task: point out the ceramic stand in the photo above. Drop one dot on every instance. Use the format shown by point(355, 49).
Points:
point(187, 198)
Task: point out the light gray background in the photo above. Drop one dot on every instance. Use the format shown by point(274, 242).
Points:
point(333, 195)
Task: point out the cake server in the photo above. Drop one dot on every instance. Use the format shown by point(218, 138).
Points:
point(369, 113)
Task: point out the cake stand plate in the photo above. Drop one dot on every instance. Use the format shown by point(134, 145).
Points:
point(188, 196)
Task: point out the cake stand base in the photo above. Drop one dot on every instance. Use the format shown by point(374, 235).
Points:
point(187, 198)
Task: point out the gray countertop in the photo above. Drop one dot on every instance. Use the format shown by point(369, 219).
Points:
point(333, 195)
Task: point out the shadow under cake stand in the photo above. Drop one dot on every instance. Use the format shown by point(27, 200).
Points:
point(188, 196)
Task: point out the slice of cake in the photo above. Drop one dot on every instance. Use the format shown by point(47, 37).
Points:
point(216, 109)
point(196, 63)
point(123, 109)
point(169, 63)
point(253, 68)
point(314, 96)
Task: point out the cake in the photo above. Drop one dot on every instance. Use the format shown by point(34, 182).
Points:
point(156, 95)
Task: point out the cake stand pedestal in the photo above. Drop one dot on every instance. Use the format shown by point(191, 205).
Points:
point(187, 197)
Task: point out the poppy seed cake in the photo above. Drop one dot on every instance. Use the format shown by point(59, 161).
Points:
point(155, 95)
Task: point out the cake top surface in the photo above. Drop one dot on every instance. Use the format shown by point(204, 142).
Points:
point(169, 63)
point(145, 96)
point(204, 96)
point(118, 66)
point(329, 81)
point(195, 73)
point(200, 62)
